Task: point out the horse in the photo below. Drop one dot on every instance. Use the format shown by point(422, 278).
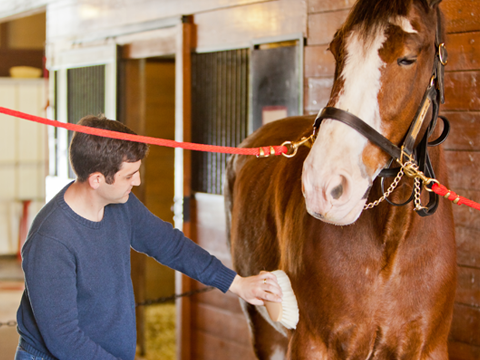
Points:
point(372, 280)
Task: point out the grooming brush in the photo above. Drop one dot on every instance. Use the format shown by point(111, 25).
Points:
point(285, 312)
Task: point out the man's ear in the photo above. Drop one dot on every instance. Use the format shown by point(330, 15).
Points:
point(95, 180)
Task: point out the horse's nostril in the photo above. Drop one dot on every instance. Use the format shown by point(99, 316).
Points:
point(337, 192)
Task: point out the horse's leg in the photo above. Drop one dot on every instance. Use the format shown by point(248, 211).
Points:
point(268, 343)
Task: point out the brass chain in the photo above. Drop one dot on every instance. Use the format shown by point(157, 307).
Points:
point(387, 193)
point(8, 323)
point(417, 201)
point(171, 298)
point(411, 169)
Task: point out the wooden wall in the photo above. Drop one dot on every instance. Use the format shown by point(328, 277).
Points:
point(219, 328)
point(463, 146)
point(462, 108)
point(324, 18)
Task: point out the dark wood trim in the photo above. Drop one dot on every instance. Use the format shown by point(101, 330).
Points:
point(19, 57)
point(133, 115)
point(149, 48)
point(4, 35)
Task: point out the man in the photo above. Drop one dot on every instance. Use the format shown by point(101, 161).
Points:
point(78, 301)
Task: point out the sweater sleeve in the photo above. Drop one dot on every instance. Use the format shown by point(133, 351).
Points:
point(50, 278)
point(172, 248)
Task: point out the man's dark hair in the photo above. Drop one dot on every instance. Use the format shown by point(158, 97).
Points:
point(91, 153)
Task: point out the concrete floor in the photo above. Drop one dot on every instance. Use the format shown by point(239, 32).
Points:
point(11, 289)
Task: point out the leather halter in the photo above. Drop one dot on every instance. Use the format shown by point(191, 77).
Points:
point(433, 96)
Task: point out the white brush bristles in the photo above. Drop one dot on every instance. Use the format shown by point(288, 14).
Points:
point(287, 312)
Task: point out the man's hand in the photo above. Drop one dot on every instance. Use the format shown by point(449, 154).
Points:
point(255, 289)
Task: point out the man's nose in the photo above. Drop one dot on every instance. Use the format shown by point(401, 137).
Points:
point(136, 179)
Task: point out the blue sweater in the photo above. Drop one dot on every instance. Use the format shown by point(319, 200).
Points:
point(78, 301)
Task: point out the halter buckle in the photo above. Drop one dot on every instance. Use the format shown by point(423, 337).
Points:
point(442, 54)
point(294, 145)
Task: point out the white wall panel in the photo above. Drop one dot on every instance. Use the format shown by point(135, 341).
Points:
point(79, 20)
point(31, 135)
point(10, 213)
point(22, 156)
point(8, 133)
point(28, 181)
point(8, 178)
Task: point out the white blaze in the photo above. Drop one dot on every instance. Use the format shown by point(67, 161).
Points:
point(336, 156)
point(404, 23)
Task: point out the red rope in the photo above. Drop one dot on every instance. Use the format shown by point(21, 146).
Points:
point(146, 139)
point(450, 195)
point(437, 188)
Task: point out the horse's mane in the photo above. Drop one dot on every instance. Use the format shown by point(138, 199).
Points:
point(371, 14)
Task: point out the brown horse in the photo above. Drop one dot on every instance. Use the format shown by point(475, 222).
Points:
point(370, 284)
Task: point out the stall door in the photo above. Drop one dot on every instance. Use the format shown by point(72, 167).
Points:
point(219, 117)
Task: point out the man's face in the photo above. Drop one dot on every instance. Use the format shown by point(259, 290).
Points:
point(124, 180)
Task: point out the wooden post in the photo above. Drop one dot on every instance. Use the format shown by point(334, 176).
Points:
point(183, 177)
point(133, 115)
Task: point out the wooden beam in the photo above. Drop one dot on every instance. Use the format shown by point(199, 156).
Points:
point(464, 173)
point(468, 289)
point(319, 62)
point(463, 215)
point(461, 15)
point(19, 57)
point(317, 93)
point(183, 68)
point(466, 325)
point(315, 6)
point(149, 48)
point(461, 91)
point(209, 347)
point(463, 51)
point(4, 35)
point(133, 115)
point(464, 131)
point(468, 248)
point(322, 26)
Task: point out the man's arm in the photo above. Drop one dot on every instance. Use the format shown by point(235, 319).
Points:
point(170, 247)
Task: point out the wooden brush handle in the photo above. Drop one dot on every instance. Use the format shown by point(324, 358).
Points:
point(274, 310)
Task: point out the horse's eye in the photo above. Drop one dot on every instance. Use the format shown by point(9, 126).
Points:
point(406, 61)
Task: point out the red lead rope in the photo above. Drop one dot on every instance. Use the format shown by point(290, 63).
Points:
point(263, 151)
point(441, 190)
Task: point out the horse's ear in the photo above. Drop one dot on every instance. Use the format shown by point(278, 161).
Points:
point(433, 3)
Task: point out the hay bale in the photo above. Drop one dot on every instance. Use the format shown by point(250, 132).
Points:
point(160, 332)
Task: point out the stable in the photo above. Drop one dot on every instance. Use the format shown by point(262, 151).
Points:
point(211, 72)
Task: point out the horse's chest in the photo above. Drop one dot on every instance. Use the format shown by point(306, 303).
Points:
point(373, 304)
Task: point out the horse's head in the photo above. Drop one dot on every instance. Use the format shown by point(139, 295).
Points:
point(384, 59)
